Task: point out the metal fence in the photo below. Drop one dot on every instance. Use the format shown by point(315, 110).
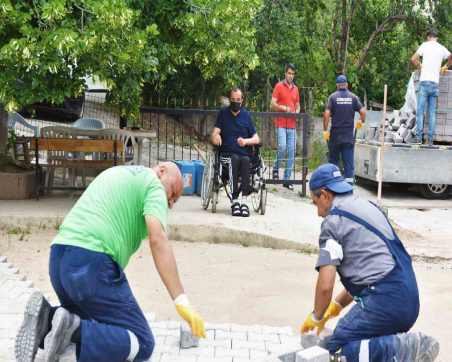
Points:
point(184, 134)
point(182, 131)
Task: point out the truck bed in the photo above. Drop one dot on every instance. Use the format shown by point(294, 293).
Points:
point(403, 163)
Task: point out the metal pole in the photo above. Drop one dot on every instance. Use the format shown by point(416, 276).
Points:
point(381, 148)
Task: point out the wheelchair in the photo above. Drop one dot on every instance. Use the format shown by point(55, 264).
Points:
point(216, 177)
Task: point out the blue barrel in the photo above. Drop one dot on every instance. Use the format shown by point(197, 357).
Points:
point(187, 168)
point(199, 170)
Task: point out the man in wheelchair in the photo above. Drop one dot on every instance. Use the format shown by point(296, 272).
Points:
point(234, 133)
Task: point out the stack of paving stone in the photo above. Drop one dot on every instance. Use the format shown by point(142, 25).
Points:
point(399, 127)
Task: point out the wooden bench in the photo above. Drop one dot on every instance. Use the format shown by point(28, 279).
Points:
point(111, 148)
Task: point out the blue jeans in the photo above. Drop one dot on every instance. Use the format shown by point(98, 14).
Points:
point(287, 143)
point(94, 287)
point(344, 151)
point(426, 99)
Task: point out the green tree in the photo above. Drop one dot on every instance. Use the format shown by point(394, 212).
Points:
point(47, 48)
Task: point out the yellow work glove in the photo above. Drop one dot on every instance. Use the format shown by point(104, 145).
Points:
point(444, 69)
point(333, 310)
point(359, 124)
point(310, 323)
point(190, 316)
point(326, 135)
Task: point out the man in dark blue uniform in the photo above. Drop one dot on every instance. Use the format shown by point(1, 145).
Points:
point(234, 132)
point(341, 107)
point(358, 242)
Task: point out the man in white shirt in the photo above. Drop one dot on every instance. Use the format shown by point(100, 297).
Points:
point(433, 54)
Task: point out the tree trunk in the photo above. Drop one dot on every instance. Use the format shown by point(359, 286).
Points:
point(3, 130)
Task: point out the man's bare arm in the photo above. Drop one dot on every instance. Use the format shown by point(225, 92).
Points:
point(279, 107)
point(163, 255)
point(362, 114)
point(324, 289)
point(416, 60)
point(297, 108)
point(326, 119)
point(344, 298)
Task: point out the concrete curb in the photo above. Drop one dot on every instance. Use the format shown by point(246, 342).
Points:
point(183, 232)
point(223, 235)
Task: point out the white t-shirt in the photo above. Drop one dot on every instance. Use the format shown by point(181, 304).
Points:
point(433, 54)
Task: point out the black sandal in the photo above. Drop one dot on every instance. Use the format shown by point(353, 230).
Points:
point(245, 210)
point(235, 209)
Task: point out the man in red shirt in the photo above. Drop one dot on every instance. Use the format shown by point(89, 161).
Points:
point(285, 98)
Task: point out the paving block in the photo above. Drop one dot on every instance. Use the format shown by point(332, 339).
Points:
point(258, 355)
point(3, 259)
point(239, 328)
point(204, 352)
point(226, 343)
point(150, 316)
point(220, 334)
point(173, 324)
point(313, 354)
point(187, 339)
point(218, 326)
point(165, 332)
point(218, 359)
point(227, 352)
point(241, 344)
point(174, 358)
point(289, 356)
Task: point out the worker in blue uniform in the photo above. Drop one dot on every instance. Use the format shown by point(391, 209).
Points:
point(358, 242)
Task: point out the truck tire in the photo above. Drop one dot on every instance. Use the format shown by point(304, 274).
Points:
point(435, 191)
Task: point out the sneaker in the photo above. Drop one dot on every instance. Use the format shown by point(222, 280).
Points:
point(33, 329)
point(417, 347)
point(59, 338)
point(288, 186)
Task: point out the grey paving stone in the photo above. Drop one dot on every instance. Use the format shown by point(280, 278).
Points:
point(187, 339)
point(313, 354)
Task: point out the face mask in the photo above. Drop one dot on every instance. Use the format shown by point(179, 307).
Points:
point(235, 106)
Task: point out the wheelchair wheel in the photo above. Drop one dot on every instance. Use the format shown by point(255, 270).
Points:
point(207, 182)
point(263, 199)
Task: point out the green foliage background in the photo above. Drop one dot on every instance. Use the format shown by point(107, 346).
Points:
point(197, 49)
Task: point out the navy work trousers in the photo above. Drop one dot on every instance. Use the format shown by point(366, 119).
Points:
point(93, 286)
point(344, 151)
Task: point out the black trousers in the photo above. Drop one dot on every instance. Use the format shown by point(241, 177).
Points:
point(240, 169)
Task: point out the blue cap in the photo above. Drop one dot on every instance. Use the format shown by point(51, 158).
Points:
point(341, 79)
point(329, 176)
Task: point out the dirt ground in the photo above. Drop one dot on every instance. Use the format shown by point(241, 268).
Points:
point(236, 284)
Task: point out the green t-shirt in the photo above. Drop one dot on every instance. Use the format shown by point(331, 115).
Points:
point(109, 216)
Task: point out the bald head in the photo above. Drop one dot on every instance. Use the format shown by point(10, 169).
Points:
point(171, 179)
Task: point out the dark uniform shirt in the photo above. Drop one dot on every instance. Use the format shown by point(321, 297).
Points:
point(232, 127)
point(343, 104)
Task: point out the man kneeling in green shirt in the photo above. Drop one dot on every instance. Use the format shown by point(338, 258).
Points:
point(120, 208)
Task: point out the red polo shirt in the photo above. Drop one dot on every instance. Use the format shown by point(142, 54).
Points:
point(288, 96)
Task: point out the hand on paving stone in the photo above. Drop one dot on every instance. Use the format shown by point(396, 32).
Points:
point(333, 310)
point(190, 316)
point(310, 323)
